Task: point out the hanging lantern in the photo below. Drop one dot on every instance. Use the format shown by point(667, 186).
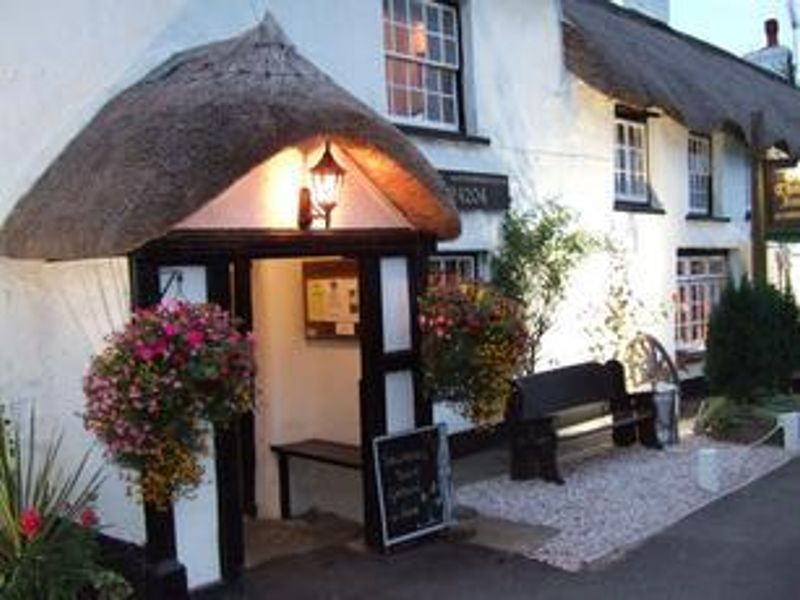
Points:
point(327, 179)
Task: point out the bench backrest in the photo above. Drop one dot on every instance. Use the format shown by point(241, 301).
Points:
point(544, 394)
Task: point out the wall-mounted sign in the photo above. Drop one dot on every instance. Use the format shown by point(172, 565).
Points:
point(330, 290)
point(478, 191)
point(783, 196)
point(414, 487)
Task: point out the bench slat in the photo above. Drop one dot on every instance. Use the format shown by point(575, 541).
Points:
point(334, 453)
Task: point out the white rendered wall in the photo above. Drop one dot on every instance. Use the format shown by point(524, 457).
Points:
point(53, 317)
point(306, 389)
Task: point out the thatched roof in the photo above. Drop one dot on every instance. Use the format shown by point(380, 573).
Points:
point(641, 61)
point(170, 143)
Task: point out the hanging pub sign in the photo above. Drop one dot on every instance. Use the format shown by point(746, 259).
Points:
point(783, 196)
point(412, 470)
point(477, 191)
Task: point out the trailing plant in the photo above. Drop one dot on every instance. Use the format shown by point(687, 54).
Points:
point(539, 251)
point(152, 394)
point(624, 315)
point(753, 342)
point(474, 341)
point(47, 524)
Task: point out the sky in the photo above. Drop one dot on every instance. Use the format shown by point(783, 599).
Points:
point(736, 25)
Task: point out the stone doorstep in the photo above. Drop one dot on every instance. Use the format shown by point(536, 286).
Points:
point(503, 535)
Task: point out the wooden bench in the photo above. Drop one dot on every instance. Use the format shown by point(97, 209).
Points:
point(332, 453)
point(540, 399)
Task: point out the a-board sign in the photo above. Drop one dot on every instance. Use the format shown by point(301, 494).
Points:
point(414, 483)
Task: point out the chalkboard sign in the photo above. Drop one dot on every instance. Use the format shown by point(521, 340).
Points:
point(414, 489)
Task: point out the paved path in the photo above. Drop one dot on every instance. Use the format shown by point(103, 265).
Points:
point(746, 546)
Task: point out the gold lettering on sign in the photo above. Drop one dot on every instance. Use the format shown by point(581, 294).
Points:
point(787, 194)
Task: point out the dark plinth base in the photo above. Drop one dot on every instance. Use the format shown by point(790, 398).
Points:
point(166, 580)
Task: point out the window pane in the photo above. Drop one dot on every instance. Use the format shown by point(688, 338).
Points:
point(448, 110)
point(415, 75)
point(400, 13)
point(434, 47)
point(433, 18)
point(399, 101)
point(401, 39)
point(448, 22)
point(448, 82)
point(416, 12)
point(434, 107)
point(417, 104)
point(432, 79)
point(450, 52)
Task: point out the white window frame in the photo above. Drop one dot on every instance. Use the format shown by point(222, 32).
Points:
point(429, 87)
point(449, 269)
point(700, 282)
point(700, 173)
point(631, 179)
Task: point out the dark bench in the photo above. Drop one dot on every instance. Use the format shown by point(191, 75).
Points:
point(332, 453)
point(540, 399)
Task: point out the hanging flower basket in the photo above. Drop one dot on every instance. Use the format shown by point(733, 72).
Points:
point(474, 341)
point(153, 393)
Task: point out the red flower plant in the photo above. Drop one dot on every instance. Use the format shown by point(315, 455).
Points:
point(30, 523)
point(88, 518)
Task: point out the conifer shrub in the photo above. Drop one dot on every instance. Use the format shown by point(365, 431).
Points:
point(753, 342)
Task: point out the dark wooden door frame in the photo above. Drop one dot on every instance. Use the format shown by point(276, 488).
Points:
point(239, 248)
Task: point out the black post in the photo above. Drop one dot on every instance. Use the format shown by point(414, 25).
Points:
point(758, 254)
point(372, 393)
point(229, 500)
point(166, 577)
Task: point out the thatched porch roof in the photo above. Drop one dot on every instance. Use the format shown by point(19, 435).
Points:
point(170, 143)
point(643, 62)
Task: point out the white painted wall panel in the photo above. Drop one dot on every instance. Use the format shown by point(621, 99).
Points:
point(396, 304)
point(399, 401)
point(196, 517)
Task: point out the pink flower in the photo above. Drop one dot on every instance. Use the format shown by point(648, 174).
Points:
point(146, 353)
point(88, 518)
point(30, 523)
point(170, 330)
point(195, 338)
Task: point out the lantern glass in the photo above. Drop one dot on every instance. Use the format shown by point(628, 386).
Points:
point(327, 178)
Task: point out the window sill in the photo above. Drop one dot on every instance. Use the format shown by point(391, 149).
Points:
point(708, 218)
point(634, 207)
point(686, 358)
point(443, 134)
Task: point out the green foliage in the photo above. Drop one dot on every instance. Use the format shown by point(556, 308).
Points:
point(47, 537)
point(624, 316)
point(720, 416)
point(753, 343)
point(539, 252)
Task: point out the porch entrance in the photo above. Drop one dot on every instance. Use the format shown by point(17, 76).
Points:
point(341, 383)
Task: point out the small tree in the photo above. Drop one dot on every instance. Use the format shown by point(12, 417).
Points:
point(539, 252)
point(753, 343)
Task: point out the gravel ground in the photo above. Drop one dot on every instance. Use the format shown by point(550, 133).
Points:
point(615, 500)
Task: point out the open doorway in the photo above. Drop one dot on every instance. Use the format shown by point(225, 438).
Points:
point(306, 477)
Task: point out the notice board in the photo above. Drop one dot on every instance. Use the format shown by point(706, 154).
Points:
point(414, 483)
